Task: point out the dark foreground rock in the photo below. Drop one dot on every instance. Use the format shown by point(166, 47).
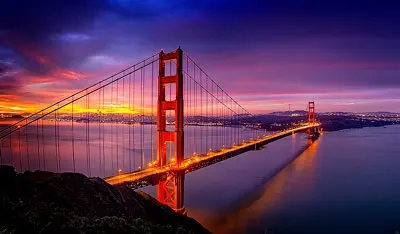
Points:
point(44, 202)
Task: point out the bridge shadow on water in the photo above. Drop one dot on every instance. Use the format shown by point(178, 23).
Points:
point(258, 200)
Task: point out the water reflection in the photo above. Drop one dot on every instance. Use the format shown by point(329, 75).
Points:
point(101, 149)
point(257, 203)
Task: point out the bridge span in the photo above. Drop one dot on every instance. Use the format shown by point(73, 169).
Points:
point(93, 131)
point(154, 174)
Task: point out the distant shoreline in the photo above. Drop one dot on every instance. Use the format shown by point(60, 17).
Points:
point(339, 128)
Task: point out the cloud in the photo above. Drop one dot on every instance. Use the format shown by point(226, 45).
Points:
point(292, 49)
point(73, 37)
point(9, 85)
point(38, 19)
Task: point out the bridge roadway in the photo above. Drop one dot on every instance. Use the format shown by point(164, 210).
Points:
point(152, 175)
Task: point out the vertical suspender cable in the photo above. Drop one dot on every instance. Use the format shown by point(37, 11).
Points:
point(37, 141)
point(27, 147)
point(123, 122)
point(130, 123)
point(43, 145)
point(201, 114)
point(72, 135)
point(99, 130)
point(152, 110)
point(11, 153)
point(87, 136)
point(117, 125)
point(103, 133)
point(111, 126)
point(206, 119)
point(19, 149)
point(134, 119)
point(90, 167)
point(195, 105)
point(141, 125)
point(55, 138)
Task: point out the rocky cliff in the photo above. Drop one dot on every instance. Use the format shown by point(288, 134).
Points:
point(44, 202)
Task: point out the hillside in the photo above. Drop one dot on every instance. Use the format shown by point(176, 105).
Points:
point(44, 202)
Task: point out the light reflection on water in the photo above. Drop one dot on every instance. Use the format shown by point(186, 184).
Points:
point(346, 182)
point(265, 197)
point(102, 150)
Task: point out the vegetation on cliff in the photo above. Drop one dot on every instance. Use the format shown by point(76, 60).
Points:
point(44, 202)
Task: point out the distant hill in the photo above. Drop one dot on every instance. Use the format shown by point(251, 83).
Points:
point(290, 113)
point(16, 117)
point(380, 113)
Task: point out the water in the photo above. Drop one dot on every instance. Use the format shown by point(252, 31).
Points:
point(345, 182)
point(103, 150)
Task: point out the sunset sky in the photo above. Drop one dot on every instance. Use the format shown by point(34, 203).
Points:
point(345, 55)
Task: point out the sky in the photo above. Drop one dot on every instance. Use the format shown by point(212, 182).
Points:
point(345, 55)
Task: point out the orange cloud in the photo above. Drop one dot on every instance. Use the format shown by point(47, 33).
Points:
point(16, 108)
point(33, 54)
point(60, 72)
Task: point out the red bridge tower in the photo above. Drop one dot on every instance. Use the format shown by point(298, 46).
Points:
point(312, 132)
point(311, 112)
point(170, 190)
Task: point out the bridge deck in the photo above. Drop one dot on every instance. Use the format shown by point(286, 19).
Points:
point(152, 175)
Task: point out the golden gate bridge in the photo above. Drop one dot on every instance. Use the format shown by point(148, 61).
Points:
point(148, 124)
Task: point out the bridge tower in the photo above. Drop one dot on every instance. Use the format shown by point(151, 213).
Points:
point(311, 120)
point(311, 112)
point(170, 190)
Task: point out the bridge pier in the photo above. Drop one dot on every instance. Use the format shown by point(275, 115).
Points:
point(171, 190)
point(313, 133)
